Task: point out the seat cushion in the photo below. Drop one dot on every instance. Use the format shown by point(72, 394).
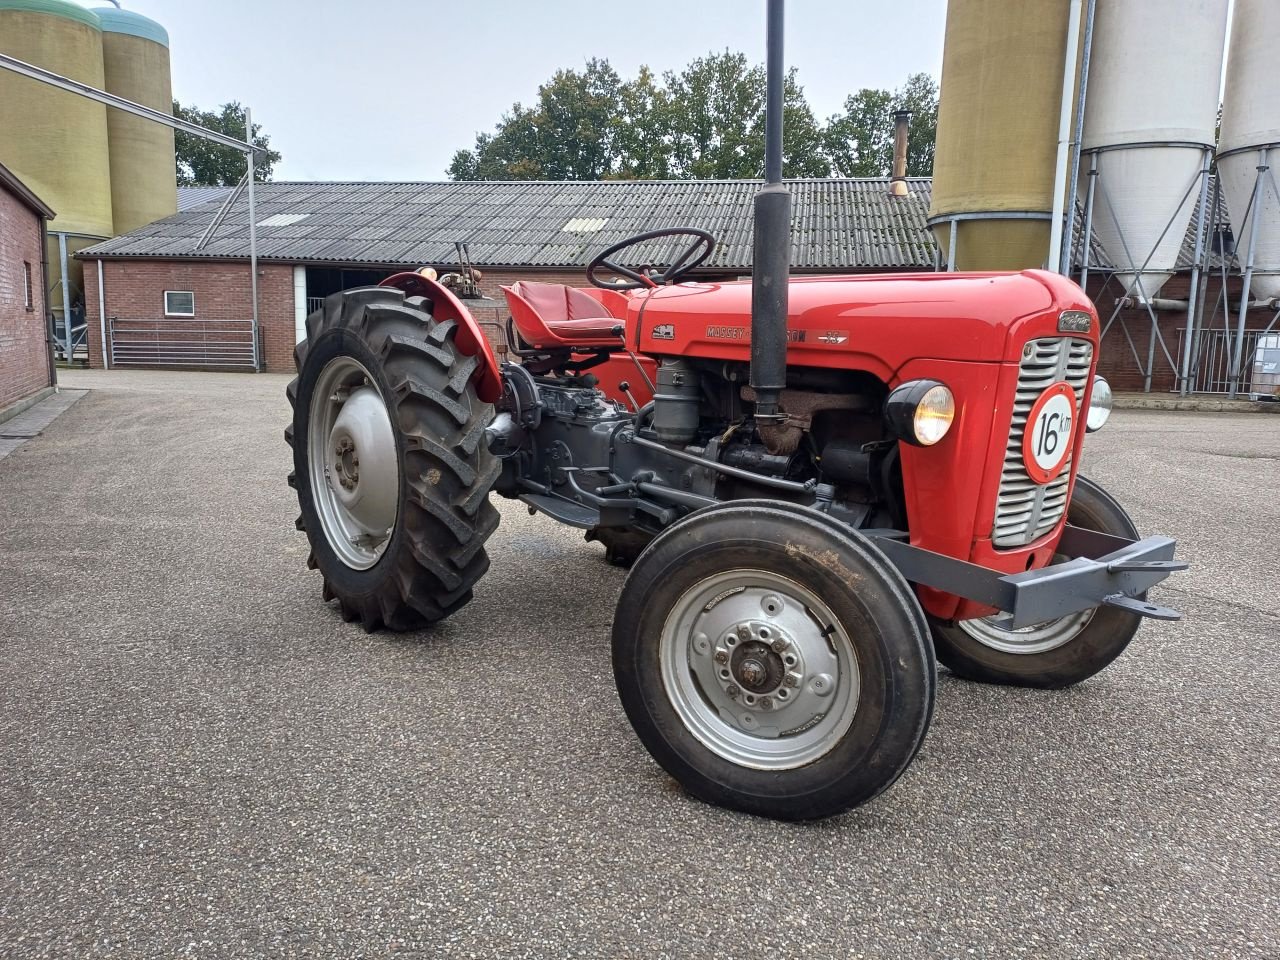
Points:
point(550, 315)
point(588, 328)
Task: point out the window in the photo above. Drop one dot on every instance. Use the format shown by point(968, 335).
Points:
point(28, 292)
point(179, 303)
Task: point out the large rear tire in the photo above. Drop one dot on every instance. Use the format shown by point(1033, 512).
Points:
point(773, 661)
point(1057, 653)
point(390, 463)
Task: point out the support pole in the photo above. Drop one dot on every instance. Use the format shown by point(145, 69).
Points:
point(102, 317)
point(253, 240)
point(1064, 136)
point(66, 296)
point(1087, 241)
point(1193, 294)
point(1069, 218)
point(1255, 210)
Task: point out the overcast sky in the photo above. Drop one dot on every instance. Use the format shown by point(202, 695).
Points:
point(389, 89)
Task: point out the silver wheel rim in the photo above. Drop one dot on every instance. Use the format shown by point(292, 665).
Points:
point(759, 670)
point(355, 475)
point(1037, 638)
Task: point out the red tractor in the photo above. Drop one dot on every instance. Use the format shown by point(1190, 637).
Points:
point(818, 484)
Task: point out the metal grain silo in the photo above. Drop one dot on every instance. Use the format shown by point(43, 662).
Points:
point(998, 115)
point(1250, 138)
point(55, 141)
point(136, 61)
point(1148, 130)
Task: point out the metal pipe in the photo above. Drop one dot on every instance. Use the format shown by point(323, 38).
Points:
point(901, 131)
point(253, 242)
point(102, 315)
point(45, 312)
point(771, 260)
point(719, 467)
point(1255, 204)
point(1087, 235)
point(66, 295)
point(111, 100)
point(1064, 135)
point(1069, 219)
point(1193, 294)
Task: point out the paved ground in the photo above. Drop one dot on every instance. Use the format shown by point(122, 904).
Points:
point(199, 758)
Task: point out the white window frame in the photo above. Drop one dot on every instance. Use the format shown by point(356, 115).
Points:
point(28, 288)
point(174, 313)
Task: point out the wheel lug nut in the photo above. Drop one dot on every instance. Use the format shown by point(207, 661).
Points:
point(779, 645)
point(766, 703)
point(744, 632)
point(792, 679)
point(722, 656)
point(732, 690)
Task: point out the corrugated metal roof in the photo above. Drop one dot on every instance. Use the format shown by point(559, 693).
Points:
point(189, 197)
point(837, 224)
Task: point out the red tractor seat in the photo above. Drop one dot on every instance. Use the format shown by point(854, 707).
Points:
point(552, 316)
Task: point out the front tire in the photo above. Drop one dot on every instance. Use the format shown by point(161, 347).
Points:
point(390, 464)
point(773, 661)
point(1057, 653)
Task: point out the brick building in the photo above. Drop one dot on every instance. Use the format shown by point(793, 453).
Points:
point(177, 291)
point(26, 366)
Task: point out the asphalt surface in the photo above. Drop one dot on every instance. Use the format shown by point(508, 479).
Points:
point(199, 758)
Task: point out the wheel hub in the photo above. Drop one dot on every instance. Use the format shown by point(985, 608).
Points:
point(355, 474)
point(767, 678)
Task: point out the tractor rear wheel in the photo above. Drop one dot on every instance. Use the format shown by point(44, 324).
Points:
point(773, 661)
point(1056, 653)
point(390, 463)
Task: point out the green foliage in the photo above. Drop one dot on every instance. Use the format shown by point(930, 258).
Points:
point(701, 123)
point(203, 163)
point(859, 141)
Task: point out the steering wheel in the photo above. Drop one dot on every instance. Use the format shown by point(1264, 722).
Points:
point(697, 251)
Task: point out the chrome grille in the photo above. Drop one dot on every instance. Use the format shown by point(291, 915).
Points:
point(1025, 509)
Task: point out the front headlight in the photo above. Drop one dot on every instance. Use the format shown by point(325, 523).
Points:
point(1100, 402)
point(920, 412)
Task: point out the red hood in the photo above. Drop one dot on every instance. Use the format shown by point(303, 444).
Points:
point(892, 317)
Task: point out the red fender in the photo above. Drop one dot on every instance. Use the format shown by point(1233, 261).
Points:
point(469, 338)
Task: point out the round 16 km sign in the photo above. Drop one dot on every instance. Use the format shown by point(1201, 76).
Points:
point(1046, 444)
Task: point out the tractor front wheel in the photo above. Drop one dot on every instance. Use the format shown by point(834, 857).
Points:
point(1056, 653)
point(773, 661)
point(390, 462)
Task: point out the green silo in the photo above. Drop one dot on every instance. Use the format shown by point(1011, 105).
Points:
point(136, 60)
point(56, 142)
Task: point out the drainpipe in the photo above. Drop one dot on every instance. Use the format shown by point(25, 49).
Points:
point(47, 314)
point(1073, 188)
point(901, 127)
point(102, 315)
point(1064, 136)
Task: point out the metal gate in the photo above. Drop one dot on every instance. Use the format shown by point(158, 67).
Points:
point(183, 343)
point(1211, 365)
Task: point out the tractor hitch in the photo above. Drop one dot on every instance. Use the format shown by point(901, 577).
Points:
point(1103, 570)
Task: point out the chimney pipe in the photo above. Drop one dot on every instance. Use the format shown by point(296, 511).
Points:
point(901, 126)
point(771, 259)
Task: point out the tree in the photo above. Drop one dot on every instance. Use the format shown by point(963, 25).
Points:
point(703, 122)
point(860, 140)
point(203, 163)
point(717, 122)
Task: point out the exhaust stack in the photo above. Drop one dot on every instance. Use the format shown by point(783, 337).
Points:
point(901, 127)
point(771, 259)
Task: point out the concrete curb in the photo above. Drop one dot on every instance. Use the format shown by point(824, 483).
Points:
point(1143, 401)
point(18, 406)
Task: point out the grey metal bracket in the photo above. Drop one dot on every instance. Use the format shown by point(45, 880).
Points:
point(1141, 607)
